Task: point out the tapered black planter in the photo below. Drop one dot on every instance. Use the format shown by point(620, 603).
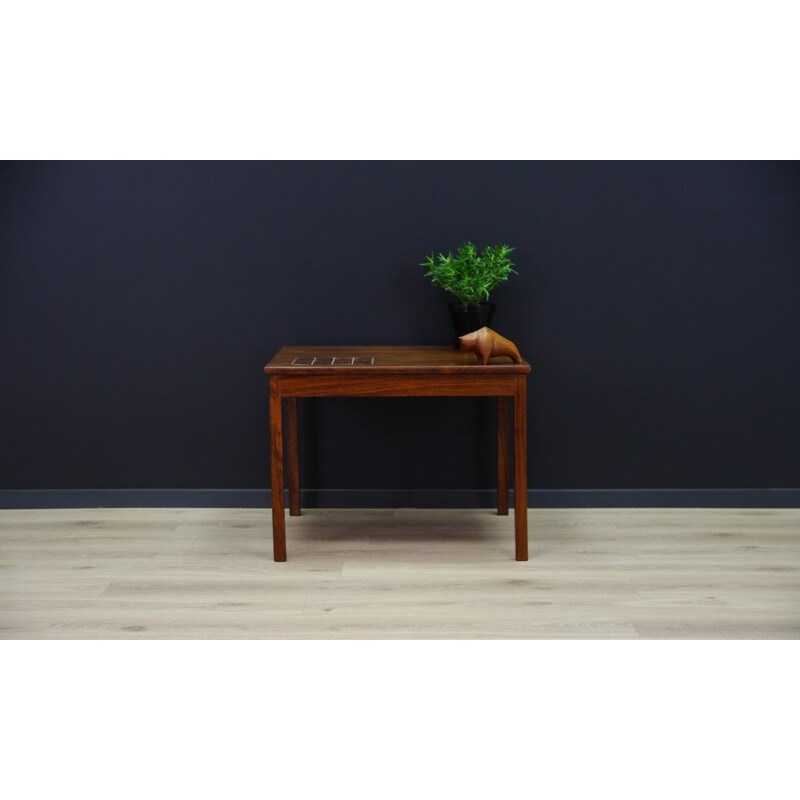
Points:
point(468, 317)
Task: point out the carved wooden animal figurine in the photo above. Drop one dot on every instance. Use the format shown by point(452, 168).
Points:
point(486, 343)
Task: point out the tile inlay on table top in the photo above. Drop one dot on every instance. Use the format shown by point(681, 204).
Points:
point(328, 361)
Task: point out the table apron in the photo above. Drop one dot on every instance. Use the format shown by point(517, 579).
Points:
point(452, 385)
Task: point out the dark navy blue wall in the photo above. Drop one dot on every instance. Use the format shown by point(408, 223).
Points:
point(659, 304)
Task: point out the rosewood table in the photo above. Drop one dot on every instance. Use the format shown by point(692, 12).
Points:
point(422, 371)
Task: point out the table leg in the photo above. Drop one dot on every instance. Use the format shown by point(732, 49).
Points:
point(276, 469)
point(292, 463)
point(502, 455)
point(520, 470)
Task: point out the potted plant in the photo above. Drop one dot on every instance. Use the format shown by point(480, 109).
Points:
point(471, 278)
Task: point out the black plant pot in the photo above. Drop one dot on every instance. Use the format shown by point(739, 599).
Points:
point(468, 317)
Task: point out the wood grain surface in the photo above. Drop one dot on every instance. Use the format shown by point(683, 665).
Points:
point(420, 359)
point(404, 574)
point(369, 384)
point(502, 455)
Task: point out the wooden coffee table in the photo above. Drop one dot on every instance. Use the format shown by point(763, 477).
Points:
point(419, 371)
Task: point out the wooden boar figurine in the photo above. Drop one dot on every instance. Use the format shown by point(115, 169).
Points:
point(486, 343)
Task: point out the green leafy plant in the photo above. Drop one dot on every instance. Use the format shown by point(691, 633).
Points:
point(467, 275)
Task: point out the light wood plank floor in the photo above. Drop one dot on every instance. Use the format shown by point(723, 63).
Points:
point(400, 574)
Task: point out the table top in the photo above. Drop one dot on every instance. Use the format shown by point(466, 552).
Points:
point(385, 360)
